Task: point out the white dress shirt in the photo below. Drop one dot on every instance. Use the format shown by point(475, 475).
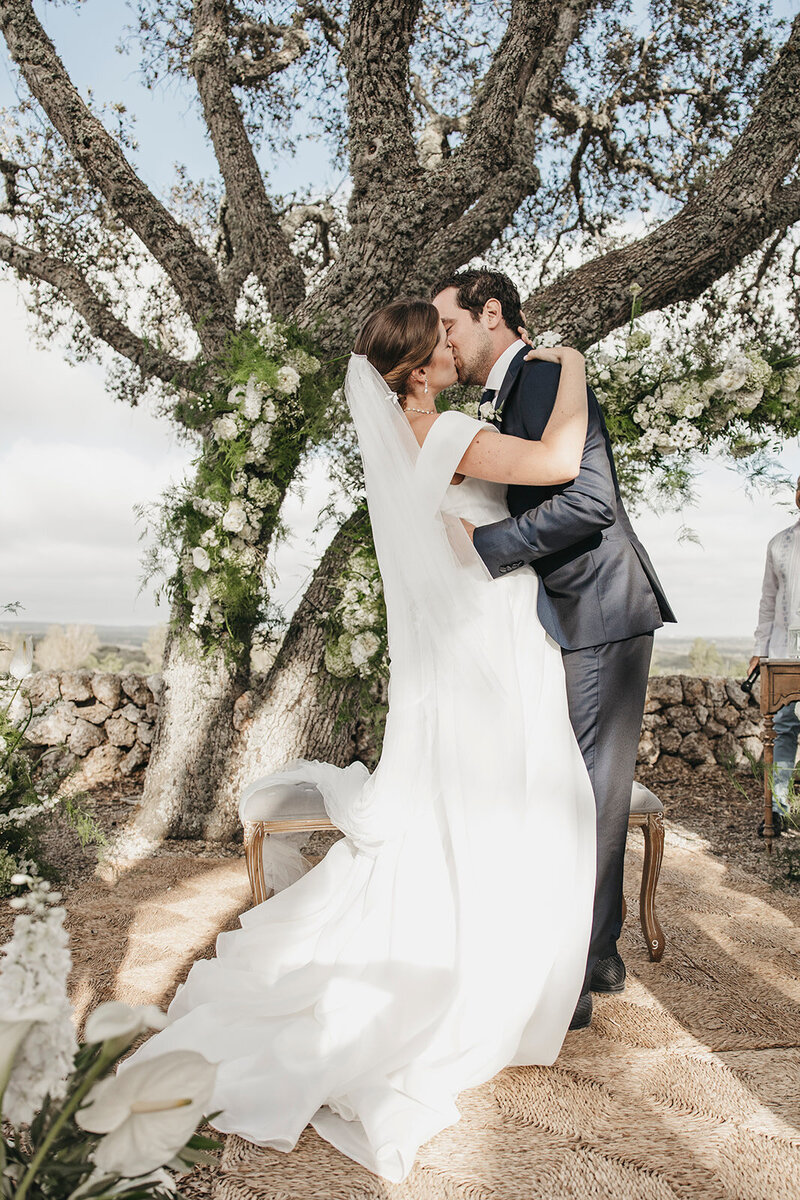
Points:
point(780, 592)
point(498, 372)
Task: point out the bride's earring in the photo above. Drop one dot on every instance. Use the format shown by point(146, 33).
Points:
point(426, 385)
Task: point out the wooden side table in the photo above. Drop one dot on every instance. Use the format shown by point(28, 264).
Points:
point(780, 684)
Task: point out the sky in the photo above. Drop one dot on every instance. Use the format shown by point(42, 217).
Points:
point(74, 462)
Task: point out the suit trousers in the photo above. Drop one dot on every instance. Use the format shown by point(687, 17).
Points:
point(606, 691)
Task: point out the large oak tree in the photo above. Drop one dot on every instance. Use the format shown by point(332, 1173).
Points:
point(535, 132)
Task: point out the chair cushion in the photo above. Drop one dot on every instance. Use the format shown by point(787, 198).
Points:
point(644, 801)
point(282, 802)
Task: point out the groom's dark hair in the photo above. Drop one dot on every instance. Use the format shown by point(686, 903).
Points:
point(474, 286)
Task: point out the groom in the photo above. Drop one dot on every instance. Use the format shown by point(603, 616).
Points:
point(599, 596)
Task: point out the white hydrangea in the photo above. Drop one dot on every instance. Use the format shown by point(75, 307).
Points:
point(338, 659)
point(263, 492)
point(36, 964)
point(271, 338)
point(638, 340)
point(209, 508)
point(547, 338)
point(288, 380)
point(225, 428)
point(252, 400)
point(760, 372)
point(200, 558)
point(746, 401)
point(790, 381)
point(362, 648)
point(235, 517)
point(302, 362)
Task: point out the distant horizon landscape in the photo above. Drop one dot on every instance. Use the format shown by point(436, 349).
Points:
point(674, 653)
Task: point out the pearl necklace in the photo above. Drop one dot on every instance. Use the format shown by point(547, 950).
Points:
point(428, 411)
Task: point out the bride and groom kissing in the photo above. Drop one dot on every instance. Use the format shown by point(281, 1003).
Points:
point(475, 901)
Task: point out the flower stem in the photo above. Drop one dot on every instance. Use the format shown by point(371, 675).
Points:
point(103, 1062)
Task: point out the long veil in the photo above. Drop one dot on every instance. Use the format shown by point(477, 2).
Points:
point(423, 554)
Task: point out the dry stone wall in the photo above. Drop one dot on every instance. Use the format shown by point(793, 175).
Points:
point(108, 721)
point(704, 721)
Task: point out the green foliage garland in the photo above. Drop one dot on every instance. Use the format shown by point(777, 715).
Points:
point(274, 401)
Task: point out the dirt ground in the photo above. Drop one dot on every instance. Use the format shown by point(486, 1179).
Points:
point(707, 810)
point(721, 810)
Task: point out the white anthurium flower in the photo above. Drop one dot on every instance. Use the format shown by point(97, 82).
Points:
point(148, 1112)
point(22, 660)
point(117, 1020)
point(200, 558)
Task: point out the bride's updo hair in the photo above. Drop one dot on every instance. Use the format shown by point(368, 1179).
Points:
point(399, 338)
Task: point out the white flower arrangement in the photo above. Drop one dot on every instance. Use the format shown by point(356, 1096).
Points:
point(88, 1131)
point(288, 380)
point(236, 493)
point(360, 648)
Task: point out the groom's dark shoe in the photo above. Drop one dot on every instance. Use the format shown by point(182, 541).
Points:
point(582, 1016)
point(608, 975)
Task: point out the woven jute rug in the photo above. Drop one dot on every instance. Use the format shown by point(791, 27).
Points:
point(687, 1085)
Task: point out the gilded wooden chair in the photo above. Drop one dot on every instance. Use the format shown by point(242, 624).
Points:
point(298, 808)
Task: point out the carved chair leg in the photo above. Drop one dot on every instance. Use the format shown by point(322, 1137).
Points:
point(653, 831)
point(254, 856)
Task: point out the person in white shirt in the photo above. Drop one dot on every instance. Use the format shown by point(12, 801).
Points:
point(778, 611)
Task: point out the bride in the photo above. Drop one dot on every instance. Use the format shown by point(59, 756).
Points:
point(445, 936)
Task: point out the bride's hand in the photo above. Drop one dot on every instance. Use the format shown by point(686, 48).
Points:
point(470, 528)
point(556, 354)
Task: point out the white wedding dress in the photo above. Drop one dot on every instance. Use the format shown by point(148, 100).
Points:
point(445, 936)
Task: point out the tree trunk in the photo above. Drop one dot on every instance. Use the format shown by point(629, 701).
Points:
point(186, 791)
point(214, 735)
point(298, 710)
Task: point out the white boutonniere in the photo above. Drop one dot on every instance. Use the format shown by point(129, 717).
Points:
point(486, 411)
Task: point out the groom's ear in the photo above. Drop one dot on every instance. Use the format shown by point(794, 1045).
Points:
point(493, 312)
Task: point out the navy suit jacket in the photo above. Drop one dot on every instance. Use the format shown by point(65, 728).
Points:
point(597, 583)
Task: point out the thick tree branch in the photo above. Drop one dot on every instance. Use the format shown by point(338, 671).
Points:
point(530, 55)
point(253, 223)
point(382, 149)
point(10, 170)
point(257, 56)
point(188, 268)
point(743, 202)
point(97, 313)
point(432, 145)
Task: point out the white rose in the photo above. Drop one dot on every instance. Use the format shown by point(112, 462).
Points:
point(288, 380)
point(235, 518)
point(225, 428)
point(200, 558)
